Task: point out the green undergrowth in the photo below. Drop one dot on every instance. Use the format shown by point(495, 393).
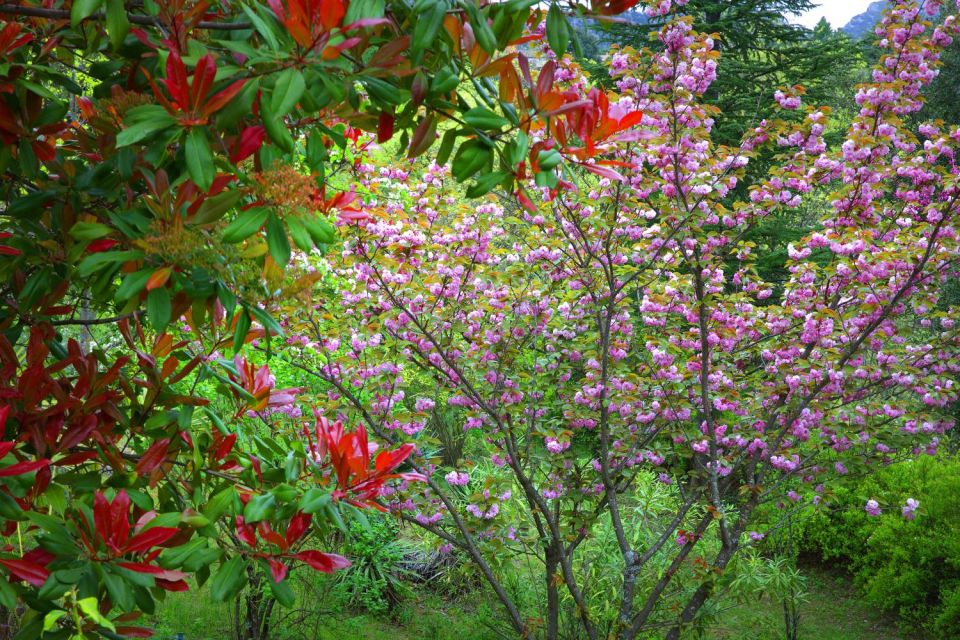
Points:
point(831, 610)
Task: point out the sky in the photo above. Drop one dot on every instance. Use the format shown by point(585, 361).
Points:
point(837, 12)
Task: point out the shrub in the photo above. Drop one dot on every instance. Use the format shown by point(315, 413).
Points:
point(374, 581)
point(907, 567)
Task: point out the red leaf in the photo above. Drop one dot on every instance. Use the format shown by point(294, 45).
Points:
point(150, 538)
point(604, 172)
point(250, 141)
point(120, 515)
point(5, 447)
point(203, 75)
point(21, 468)
point(173, 585)
point(32, 572)
point(159, 278)
point(545, 81)
point(225, 447)
point(161, 573)
point(298, 526)
point(176, 80)
point(220, 99)
point(331, 13)
point(245, 532)
point(325, 562)
point(271, 536)
point(103, 244)
point(278, 570)
point(385, 127)
point(632, 118)
point(153, 457)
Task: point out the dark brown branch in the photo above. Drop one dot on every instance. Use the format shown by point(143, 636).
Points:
point(61, 14)
point(86, 322)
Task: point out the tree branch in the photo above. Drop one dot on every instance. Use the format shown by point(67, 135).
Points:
point(61, 14)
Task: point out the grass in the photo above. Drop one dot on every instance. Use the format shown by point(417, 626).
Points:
point(830, 611)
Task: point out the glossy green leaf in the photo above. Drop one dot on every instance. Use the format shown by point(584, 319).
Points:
point(558, 31)
point(214, 208)
point(277, 240)
point(86, 231)
point(241, 329)
point(229, 579)
point(199, 158)
point(82, 9)
point(484, 119)
point(158, 308)
point(118, 25)
point(472, 156)
point(286, 92)
point(143, 122)
point(245, 225)
point(259, 508)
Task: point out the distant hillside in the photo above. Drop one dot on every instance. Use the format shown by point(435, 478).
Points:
point(864, 23)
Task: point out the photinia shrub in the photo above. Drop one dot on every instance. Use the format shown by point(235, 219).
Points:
point(161, 164)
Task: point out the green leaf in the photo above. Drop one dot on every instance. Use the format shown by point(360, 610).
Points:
point(85, 231)
point(485, 183)
point(218, 504)
point(484, 119)
point(384, 91)
point(158, 308)
point(314, 500)
point(301, 237)
point(286, 92)
point(472, 156)
point(360, 9)
point(229, 580)
point(446, 146)
point(118, 25)
point(558, 31)
point(516, 151)
point(82, 9)
point(245, 225)
point(9, 509)
point(8, 596)
point(319, 229)
point(278, 132)
point(277, 240)
point(199, 158)
point(241, 330)
point(214, 208)
point(266, 320)
point(50, 620)
point(96, 261)
point(549, 158)
point(144, 121)
point(262, 27)
point(282, 592)
point(481, 29)
point(239, 107)
point(132, 285)
point(120, 592)
point(427, 27)
point(91, 611)
point(259, 508)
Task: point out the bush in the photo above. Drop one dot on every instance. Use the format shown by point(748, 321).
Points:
point(374, 581)
point(910, 568)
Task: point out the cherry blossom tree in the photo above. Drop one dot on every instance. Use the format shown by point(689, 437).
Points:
point(614, 326)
